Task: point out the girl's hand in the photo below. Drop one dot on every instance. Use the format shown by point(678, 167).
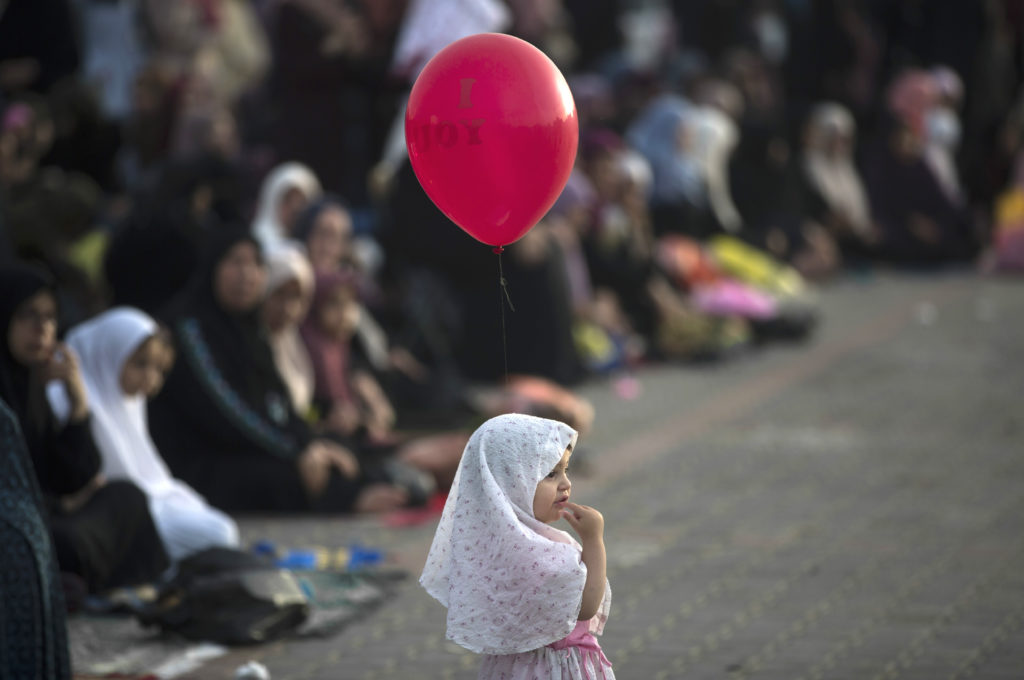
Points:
point(589, 524)
point(63, 366)
point(587, 521)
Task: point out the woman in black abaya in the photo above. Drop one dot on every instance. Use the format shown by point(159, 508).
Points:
point(102, 532)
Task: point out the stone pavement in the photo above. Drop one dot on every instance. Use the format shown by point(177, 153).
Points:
point(848, 508)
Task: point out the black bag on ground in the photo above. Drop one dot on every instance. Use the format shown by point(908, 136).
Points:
point(228, 596)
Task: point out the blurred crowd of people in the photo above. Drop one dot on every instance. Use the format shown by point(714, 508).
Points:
point(224, 289)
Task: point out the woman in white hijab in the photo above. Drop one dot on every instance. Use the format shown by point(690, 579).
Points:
point(714, 137)
point(123, 357)
point(283, 196)
point(830, 171)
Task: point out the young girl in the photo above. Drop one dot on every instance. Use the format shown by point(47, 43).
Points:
point(356, 406)
point(352, 400)
point(519, 591)
point(124, 356)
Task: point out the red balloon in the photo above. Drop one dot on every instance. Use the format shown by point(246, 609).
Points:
point(492, 131)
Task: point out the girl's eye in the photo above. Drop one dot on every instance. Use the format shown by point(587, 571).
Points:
point(551, 475)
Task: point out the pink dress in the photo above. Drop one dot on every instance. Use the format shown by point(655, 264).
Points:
point(575, 657)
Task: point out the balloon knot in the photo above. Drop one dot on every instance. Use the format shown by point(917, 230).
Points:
point(498, 250)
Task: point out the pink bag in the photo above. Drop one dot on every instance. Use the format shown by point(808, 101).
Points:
point(732, 298)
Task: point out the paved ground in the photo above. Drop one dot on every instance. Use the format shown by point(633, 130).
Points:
point(850, 508)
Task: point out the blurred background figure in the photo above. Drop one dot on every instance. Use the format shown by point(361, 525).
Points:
point(34, 644)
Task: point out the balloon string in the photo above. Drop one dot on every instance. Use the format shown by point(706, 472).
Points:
point(503, 297)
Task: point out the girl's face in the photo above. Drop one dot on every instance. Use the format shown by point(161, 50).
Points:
point(553, 492)
point(240, 278)
point(328, 241)
point(339, 314)
point(144, 371)
point(32, 335)
point(285, 306)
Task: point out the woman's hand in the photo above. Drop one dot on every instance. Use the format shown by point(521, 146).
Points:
point(341, 458)
point(380, 414)
point(63, 366)
point(344, 417)
point(315, 465)
point(76, 500)
point(314, 469)
point(381, 498)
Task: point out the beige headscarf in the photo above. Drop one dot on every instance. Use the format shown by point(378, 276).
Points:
point(290, 354)
point(834, 176)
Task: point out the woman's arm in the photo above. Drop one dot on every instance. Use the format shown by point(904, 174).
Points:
point(209, 403)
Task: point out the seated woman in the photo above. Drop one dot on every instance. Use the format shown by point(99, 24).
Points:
point(919, 222)
point(834, 185)
point(283, 196)
point(224, 421)
point(102, 532)
point(34, 643)
point(124, 357)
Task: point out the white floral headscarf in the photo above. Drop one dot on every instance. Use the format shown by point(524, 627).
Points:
point(511, 582)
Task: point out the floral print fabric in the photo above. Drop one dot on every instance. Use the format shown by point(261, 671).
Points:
point(511, 583)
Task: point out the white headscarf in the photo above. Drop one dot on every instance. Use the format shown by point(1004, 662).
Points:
point(714, 137)
point(834, 176)
point(121, 431)
point(431, 25)
point(511, 582)
point(266, 226)
point(119, 423)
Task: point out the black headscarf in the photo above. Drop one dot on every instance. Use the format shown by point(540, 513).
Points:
point(237, 341)
point(35, 641)
point(155, 251)
point(224, 409)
